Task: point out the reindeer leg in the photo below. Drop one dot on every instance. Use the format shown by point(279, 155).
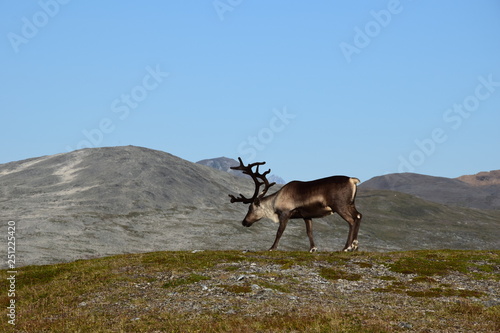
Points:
point(283, 222)
point(357, 216)
point(348, 245)
point(309, 230)
point(351, 218)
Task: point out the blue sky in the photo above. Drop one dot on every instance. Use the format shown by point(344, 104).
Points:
point(315, 88)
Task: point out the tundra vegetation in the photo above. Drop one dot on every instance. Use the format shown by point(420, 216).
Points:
point(234, 291)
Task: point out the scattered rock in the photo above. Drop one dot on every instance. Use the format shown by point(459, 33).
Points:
point(405, 325)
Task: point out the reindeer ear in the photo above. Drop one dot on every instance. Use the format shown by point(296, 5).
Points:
point(257, 201)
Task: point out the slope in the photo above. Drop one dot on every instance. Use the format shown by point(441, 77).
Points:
point(231, 291)
point(105, 201)
point(438, 189)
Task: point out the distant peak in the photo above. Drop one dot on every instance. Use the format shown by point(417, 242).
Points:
point(225, 164)
point(484, 178)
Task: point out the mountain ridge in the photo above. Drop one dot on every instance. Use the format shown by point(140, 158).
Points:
point(448, 191)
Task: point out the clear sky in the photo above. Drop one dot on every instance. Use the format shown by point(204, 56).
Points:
point(315, 88)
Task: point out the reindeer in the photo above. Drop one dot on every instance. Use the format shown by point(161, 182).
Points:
point(305, 200)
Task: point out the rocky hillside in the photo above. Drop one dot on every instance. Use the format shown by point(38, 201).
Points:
point(105, 201)
point(442, 190)
point(112, 181)
point(485, 178)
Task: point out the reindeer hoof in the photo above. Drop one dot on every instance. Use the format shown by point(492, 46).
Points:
point(314, 249)
point(352, 247)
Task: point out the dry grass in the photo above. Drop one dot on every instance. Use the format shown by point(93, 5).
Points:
point(278, 292)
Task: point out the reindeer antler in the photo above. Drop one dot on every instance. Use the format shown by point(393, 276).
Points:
point(247, 170)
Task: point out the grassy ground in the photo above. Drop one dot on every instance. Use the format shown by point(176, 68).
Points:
point(229, 291)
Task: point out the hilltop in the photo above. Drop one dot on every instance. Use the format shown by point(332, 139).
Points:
point(485, 178)
point(232, 291)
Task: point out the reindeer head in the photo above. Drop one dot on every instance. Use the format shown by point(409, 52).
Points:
point(256, 211)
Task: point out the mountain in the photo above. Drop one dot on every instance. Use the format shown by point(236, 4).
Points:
point(111, 181)
point(482, 178)
point(442, 190)
point(225, 164)
point(104, 201)
point(222, 164)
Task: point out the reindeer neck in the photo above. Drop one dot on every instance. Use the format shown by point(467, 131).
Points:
point(268, 204)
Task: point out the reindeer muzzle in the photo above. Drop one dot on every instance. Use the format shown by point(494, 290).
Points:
point(246, 224)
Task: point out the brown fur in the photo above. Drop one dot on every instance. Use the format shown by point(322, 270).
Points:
point(308, 200)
